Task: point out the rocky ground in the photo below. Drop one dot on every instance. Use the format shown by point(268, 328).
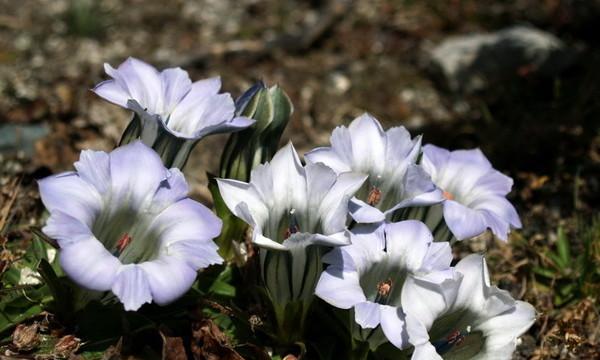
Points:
point(517, 78)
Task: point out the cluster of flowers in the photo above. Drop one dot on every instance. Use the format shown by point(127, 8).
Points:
point(377, 208)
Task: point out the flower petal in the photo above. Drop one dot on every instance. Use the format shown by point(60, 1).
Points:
point(66, 229)
point(364, 213)
point(171, 190)
point(176, 84)
point(367, 314)
point(333, 209)
point(392, 324)
point(235, 193)
point(434, 159)
point(425, 351)
point(187, 219)
point(70, 194)
point(327, 156)
point(197, 254)
point(112, 91)
point(132, 287)
point(89, 264)
point(289, 190)
point(464, 222)
point(368, 145)
point(141, 81)
point(169, 278)
point(506, 328)
point(408, 242)
point(339, 288)
point(94, 168)
point(126, 165)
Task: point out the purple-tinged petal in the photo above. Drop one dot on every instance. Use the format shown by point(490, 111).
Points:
point(423, 302)
point(70, 194)
point(176, 84)
point(362, 212)
point(169, 278)
point(500, 207)
point(233, 125)
point(187, 219)
point(340, 288)
point(399, 145)
point(434, 159)
point(341, 143)
point(94, 168)
point(89, 264)
point(392, 324)
point(408, 242)
point(112, 91)
point(171, 190)
point(506, 328)
point(197, 254)
point(439, 257)
point(142, 82)
point(367, 314)
point(462, 221)
point(494, 183)
point(425, 351)
point(132, 287)
point(136, 173)
point(66, 229)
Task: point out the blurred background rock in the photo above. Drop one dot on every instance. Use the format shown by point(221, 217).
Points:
point(518, 78)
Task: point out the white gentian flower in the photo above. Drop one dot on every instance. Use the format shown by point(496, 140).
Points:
point(125, 224)
point(296, 212)
point(372, 273)
point(173, 113)
point(474, 192)
point(471, 320)
point(389, 160)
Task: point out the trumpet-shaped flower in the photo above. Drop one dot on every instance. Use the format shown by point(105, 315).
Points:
point(296, 213)
point(124, 223)
point(371, 274)
point(388, 158)
point(172, 110)
point(288, 204)
point(474, 192)
point(469, 320)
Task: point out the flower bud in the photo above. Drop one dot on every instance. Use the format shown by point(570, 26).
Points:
point(271, 108)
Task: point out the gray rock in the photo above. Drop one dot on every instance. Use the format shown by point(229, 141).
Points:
point(474, 62)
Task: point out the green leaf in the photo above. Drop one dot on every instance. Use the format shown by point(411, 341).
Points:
point(544, 272)
point(562, 245)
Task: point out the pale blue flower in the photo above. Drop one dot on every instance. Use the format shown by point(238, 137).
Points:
point(388, 158)
point(474, 192)
point(469, 320)
point(124, 224)
point(172, 112)
point(371, 275)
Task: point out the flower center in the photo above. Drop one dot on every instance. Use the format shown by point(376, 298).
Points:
point(384, 288)
point(293, 226)
point(382, 281)
point(123, 242)
point(116, 229)
point(374, 196)
point(447, 195)
point(454, 338)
